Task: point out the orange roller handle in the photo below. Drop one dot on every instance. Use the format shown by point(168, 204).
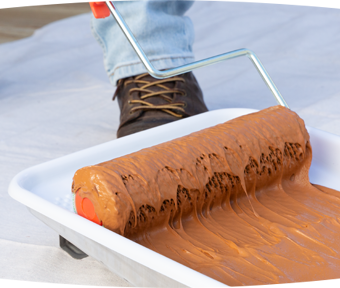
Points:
point(99, 9)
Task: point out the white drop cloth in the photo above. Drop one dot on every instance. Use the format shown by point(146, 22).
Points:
point(55, 99)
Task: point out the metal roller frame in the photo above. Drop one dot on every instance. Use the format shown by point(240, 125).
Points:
point(198, 64)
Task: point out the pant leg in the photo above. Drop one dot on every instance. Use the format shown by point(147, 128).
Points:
point(161, 28)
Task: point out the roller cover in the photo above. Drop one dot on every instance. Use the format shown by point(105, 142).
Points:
point(147, 189)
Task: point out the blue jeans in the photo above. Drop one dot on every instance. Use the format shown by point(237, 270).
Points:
point(161, 28)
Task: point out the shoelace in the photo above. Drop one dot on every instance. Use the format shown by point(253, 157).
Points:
point(165, 93)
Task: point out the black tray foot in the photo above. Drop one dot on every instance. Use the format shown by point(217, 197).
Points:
point(70, 249)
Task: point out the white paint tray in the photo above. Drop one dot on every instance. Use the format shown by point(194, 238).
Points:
point(46, 190)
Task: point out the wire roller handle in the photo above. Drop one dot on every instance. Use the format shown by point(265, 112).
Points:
point(100, 11)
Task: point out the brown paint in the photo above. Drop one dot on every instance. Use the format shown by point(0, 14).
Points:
point(232, 201)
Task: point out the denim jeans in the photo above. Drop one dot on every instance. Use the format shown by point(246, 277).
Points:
point(161, 28)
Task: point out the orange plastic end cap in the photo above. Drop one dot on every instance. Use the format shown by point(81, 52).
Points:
point(99, 9)
point(85, 209)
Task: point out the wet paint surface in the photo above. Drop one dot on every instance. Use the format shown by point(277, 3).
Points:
point(232, 201)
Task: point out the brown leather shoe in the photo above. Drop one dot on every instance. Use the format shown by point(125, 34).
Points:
point(146, 102)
